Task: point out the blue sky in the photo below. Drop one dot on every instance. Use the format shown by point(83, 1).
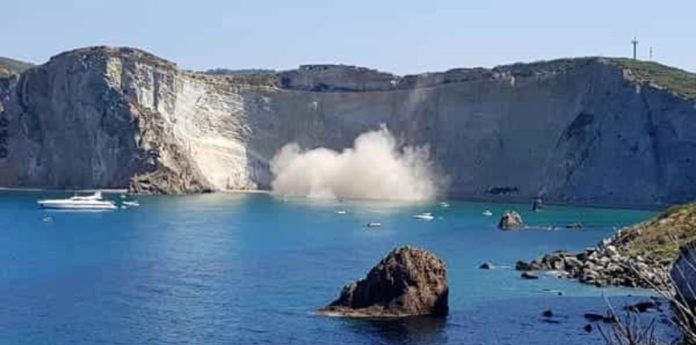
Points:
point(396, 36)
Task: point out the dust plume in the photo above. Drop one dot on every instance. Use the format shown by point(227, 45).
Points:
point(374, 168)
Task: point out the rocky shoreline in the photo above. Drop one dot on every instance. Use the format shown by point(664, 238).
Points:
point(601, 266)
point(639, 256)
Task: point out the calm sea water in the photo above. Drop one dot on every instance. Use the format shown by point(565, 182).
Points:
point(251, 269)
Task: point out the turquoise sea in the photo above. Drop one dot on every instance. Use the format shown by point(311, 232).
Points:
point(252, 269)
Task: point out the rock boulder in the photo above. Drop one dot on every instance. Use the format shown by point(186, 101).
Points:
point(510, 220)
point(407, 282)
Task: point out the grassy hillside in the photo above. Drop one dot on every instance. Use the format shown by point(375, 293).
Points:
point(10, 66)
point(661, 237)
point(674, 79)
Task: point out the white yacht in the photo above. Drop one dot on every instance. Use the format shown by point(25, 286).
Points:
point(90, 202)
point(424, 216)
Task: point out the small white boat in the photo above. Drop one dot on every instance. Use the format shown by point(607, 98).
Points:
point(487, 213)
point(444, 205)
point(373, 225)
point(424, 216)
point(90, 202)
point(341, 212)
point(133, 203)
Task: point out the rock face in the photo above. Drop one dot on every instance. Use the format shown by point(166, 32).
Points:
point(580, 131)
point(510, 220)
point(684, 274)
point(99, 118)
point(407, 282)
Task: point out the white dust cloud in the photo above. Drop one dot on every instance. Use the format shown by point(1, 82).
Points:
point(374, 168)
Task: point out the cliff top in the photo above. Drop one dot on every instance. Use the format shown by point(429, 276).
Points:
point(10, 66)
point(324, 77)
point(132, 54)
point(679, 81)
point(336, 77)
point(662, 236)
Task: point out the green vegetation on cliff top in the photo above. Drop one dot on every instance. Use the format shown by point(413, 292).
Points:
point(661, 237)
point(10, 66)
point(673, 79)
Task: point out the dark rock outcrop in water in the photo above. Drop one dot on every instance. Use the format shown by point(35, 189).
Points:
point(510, 220)
point(407, 282)
point(486, 266)
point(578, 131)
point(538, 205)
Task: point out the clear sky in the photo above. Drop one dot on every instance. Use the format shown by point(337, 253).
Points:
point(397, 36)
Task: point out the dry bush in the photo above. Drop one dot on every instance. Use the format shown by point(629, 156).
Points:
point(629, 331)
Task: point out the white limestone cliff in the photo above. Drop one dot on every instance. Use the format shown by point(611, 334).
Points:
point(579, 131)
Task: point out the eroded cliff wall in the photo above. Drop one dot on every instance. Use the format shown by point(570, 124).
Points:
point(579, 131)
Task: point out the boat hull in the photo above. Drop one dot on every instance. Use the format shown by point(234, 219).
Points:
point(64, 206)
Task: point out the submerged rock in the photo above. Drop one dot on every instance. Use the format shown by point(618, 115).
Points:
point(510, 220)
point(523, 266)
point(643, 307)
point(407, 282)
point(594, 317)
point(529, 275)
point(486, 266)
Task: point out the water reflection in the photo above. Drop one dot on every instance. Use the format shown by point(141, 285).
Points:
point(410, 330)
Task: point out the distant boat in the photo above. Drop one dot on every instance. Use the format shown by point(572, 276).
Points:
point(341, 212)
point(133, 203)
point(444, 205)
point(90, 202)
point(424, 216)
point(487, 213)
point(373, 225)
